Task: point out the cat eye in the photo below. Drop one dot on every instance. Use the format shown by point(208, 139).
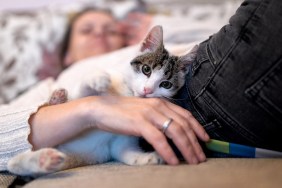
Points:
point(166, 85)
point(146, 70)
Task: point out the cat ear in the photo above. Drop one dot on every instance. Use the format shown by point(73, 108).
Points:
point(153, 40)
point(188, 59)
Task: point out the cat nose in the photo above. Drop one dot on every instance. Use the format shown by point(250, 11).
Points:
point(148, 90)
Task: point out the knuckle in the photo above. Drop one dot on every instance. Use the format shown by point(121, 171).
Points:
point(195, 140)
point(189, 115)
point(146, 110)
point(136, 118)
point(189, 129)
point(184, 123)
point(178, 130)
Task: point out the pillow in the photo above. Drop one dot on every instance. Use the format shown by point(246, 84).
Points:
point(29, 44)
point(28, 40)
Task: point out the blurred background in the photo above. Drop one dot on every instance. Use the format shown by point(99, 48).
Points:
point(32, 4)
point(31, 31)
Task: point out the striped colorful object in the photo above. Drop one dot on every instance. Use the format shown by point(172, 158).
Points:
point(241, 150)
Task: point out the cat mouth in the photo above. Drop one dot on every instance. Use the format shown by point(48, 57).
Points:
point(141, 95)
point(148, 96)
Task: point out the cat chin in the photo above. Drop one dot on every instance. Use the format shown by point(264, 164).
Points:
point(142, 95)
point(137, 94)
point(150, 96)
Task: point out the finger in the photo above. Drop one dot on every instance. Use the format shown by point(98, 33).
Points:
point(193, 151)
point(159, 143)
point(183, 143)
point(196, 126)
point(182, 134)
point(186, 127)
point(190, 134)
point(195, 143)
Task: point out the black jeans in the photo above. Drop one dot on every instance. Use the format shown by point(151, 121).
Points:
point(234, 88)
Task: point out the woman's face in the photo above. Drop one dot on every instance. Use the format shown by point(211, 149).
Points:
point(93, 33)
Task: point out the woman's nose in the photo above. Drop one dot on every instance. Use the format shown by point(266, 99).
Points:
point(98, 32)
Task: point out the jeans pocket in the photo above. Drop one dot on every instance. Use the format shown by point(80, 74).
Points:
point(266, 92)
point(223, 126)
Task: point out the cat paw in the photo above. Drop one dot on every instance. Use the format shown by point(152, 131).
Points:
point(33, 163)
point(50, 160)
point(147, 159)
point(97, 85)
point(59, 96)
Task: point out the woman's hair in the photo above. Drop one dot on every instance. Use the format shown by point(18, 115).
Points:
point(64, 47)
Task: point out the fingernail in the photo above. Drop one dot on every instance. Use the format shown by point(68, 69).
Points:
point(202, 157)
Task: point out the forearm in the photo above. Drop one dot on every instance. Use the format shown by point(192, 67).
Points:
point(53, 125)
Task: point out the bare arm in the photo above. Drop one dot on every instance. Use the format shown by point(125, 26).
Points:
point(52, 125)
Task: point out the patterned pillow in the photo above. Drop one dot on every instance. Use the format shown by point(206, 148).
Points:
point(28, 41)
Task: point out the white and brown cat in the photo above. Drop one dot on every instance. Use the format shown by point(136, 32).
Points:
point(153, 73)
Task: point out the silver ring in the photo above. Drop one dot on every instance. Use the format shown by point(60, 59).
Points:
point(166, 125)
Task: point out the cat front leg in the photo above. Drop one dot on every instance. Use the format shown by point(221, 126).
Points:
point(58, 96)
point(126, 150)
point(34, 163)
point(96, 84)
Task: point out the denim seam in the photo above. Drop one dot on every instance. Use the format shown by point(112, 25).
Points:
point(237, 41)
point(212, 130)
point(212, 125)
point(233, 46)
point(210, 56)
point(230, 119)
point(255, 88)
point(257, 85)
point(270, 103)
point(193, 106)
point(197, 65)
point(266, 105)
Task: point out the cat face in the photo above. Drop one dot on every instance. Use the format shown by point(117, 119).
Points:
point(157, 73)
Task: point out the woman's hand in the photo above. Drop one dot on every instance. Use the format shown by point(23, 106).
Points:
point(56, 124)
point(145, 117)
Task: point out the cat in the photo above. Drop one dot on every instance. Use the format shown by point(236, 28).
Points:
point(152, 73)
